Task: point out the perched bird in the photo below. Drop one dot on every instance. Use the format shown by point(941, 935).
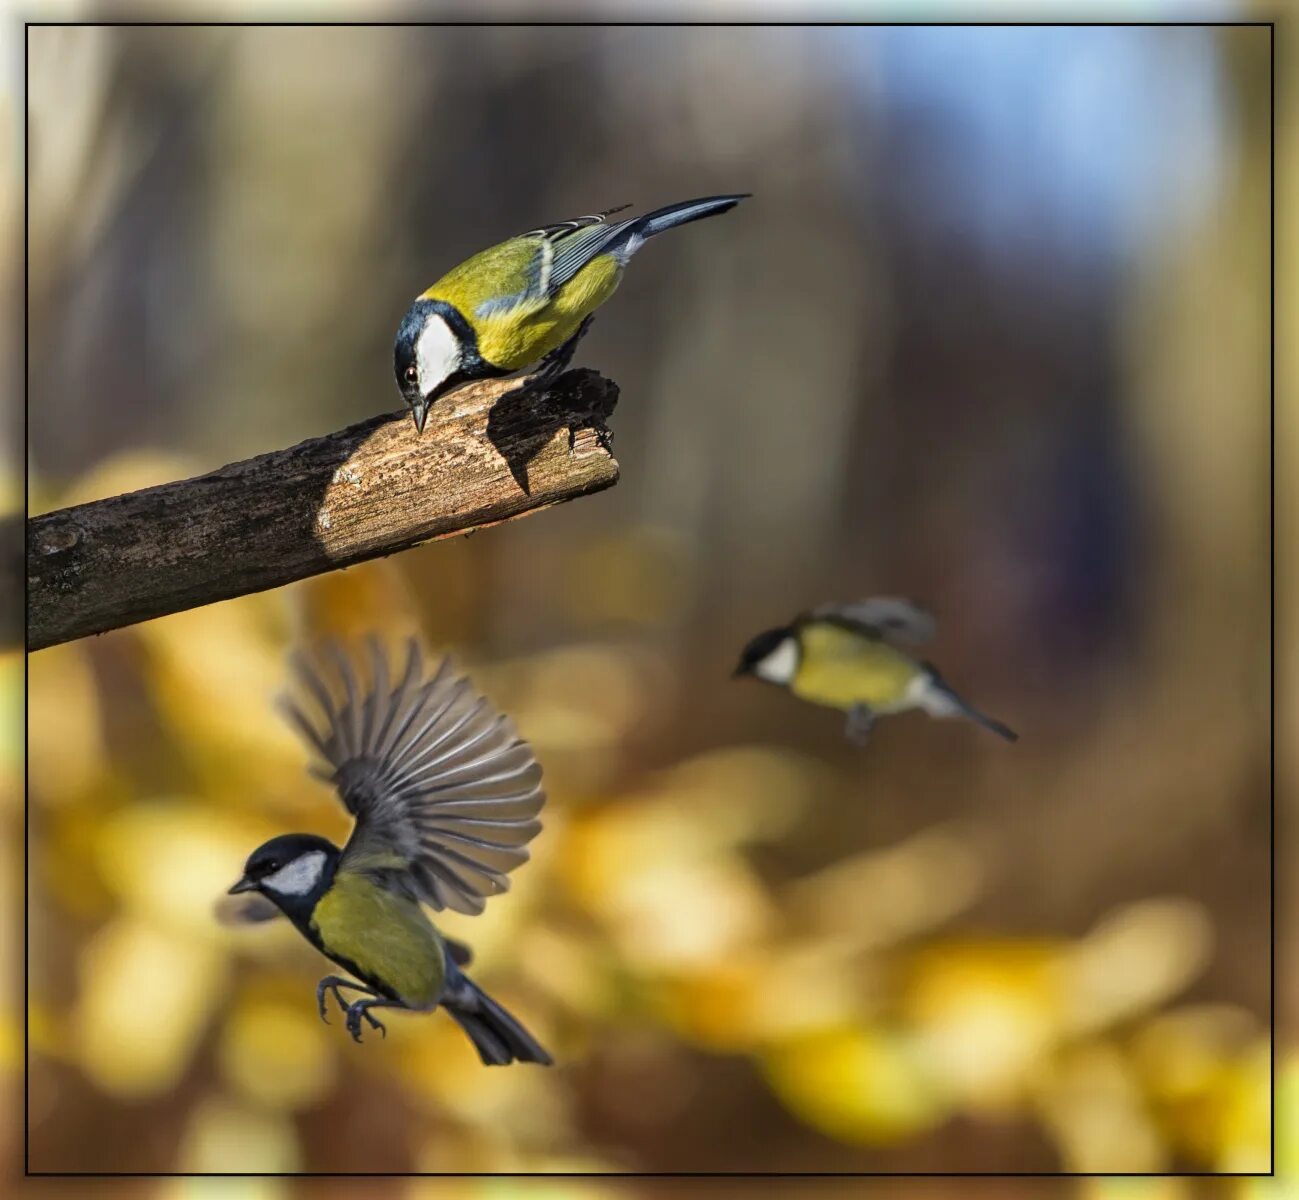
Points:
point(446, 798)
point(524, 301)
point(848, 656)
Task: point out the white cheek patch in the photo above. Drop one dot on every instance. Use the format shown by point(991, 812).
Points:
point(779, 666)
point(298, 877)
point(437, 354)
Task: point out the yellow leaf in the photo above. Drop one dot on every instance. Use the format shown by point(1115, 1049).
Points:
point(856, 1084)
point(1091, 1103)
point(370, 598)
point(884, 896)
point(170, 860)
point(145, 998)
point(1134, 959)
point(277, 1055)
point(985, 1015)
point(129, 471)
point(65, 740)
point(225, 1137)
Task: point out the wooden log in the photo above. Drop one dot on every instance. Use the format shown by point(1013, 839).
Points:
point(490, 452)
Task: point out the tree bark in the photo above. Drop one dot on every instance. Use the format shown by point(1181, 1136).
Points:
point(489, 453)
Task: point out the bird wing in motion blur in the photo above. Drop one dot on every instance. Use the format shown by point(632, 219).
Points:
point(247, 909)
point(891, 619)
point(444, 792)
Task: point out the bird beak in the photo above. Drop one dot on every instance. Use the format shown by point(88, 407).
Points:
point(419, 414)
point(244, 885)
point(740, 671)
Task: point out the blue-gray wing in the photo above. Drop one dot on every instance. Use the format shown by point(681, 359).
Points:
point(563, 249)
point(575, 250)
point(886, 618)
point(570, 245)
point(445, 793)
point(558, 252)
point(592, 237)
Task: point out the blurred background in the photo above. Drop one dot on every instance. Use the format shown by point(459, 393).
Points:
point(992, 333)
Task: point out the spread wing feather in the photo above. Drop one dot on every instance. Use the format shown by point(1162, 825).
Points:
point(442, 788)
point(888, 618)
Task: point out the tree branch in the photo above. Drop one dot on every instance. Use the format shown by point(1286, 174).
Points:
point(489, 453)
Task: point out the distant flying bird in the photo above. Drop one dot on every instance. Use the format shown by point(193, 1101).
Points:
point(849, 657)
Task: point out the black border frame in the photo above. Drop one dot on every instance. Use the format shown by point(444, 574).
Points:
point(1270, 25)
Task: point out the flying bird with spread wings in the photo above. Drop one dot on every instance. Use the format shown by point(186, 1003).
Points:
point(446, 798)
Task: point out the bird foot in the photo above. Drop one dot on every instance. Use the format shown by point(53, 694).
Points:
point(860, 720)
point(326, 988)
point(333, 985)
point(356, 1011)
point(603, 436)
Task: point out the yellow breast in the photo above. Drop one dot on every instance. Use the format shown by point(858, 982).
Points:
point(387, 938)
point(839, 669)
point(520, 337)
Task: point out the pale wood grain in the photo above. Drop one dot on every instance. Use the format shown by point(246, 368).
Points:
point(488, 454)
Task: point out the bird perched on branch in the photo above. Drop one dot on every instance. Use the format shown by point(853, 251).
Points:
point(446, 798)
point(849, 657)
point(527, 300)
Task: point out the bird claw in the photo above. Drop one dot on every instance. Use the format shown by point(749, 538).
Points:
point(326, 988)
point(334, 985)
point(355, 1012)
point(860, 721)
point(603, 436)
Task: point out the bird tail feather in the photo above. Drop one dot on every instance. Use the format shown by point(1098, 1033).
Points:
point(498, 1036)
point(1001, 729)
point(941, 701)
point(682, 213)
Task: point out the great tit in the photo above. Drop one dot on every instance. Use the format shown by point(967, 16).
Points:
point(524, 301)
point(446, 798)
point(848, 656)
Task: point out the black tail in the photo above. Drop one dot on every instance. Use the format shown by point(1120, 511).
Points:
point(497, 1036)
point(683, 213)
point(942, 701)
point(990, 723)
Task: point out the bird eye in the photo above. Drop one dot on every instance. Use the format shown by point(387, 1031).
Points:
point(412, 374)
point(273, 865)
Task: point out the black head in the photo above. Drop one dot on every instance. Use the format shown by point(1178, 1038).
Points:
point(761, 648)
point(435, 351)
point(294, 870)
